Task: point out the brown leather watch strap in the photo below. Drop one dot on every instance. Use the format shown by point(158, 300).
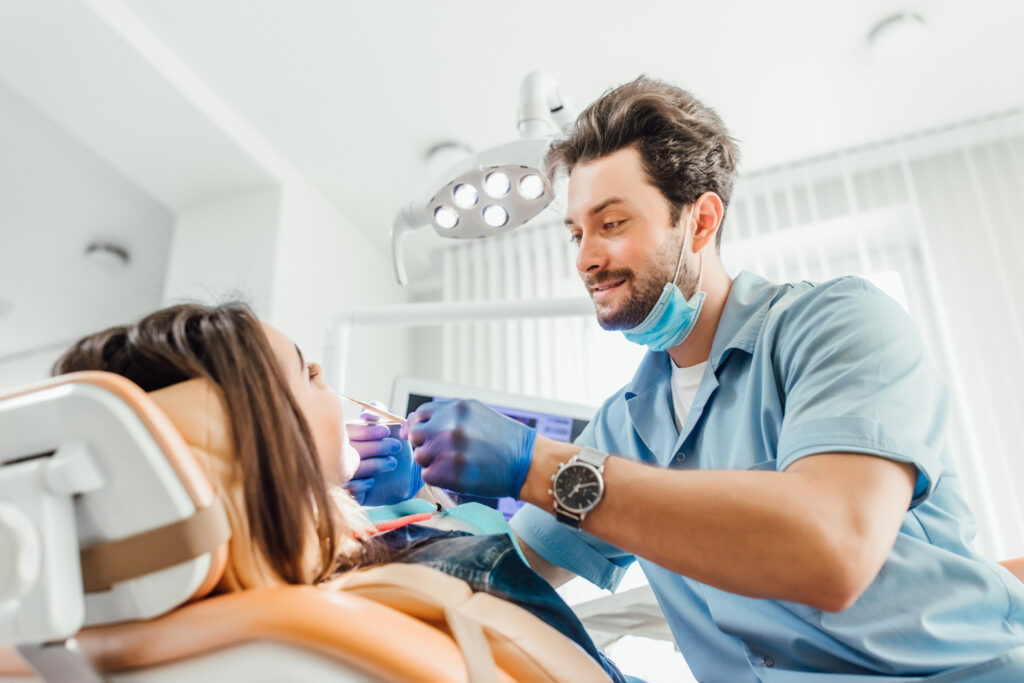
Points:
point(120, 560)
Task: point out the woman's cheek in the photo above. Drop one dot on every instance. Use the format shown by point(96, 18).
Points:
point(331, 443)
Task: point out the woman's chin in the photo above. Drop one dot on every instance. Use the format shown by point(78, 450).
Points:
point(348, 463)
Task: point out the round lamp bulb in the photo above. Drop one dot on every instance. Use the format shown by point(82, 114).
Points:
point(445, 217)
point(464, 196)
point(497, 184)
point(531, 186)
point(495, 216)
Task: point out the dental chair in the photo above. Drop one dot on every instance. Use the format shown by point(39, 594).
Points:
point(117, 563)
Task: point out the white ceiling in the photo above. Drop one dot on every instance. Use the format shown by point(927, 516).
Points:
point(179, 101)
point(354, 93)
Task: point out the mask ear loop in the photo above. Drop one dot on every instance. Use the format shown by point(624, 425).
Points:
point(682, 250)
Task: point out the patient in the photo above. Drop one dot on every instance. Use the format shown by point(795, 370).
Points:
point(291, 520)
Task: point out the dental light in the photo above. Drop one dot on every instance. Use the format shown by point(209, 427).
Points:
point(495, 190)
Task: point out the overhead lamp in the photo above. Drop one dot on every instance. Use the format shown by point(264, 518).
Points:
point(495, 190)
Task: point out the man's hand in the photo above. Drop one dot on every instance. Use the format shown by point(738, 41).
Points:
point(465, 446)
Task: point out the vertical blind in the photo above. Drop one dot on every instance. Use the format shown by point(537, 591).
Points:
point(933, 219)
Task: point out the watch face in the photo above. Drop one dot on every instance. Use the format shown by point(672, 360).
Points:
point(578, 487)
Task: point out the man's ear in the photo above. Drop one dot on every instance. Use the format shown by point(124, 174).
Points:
point(708, 211)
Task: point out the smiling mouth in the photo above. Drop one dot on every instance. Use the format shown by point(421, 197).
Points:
point(598, 289)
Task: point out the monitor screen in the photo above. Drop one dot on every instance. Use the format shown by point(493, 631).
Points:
point(557, 420)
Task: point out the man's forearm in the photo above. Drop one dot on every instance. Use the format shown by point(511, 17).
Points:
point(761, 534)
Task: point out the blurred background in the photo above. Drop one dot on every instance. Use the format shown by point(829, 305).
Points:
point(159, 150)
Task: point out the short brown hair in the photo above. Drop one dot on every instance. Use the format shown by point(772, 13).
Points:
point(684, 146)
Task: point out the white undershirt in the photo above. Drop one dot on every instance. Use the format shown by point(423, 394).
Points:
point(684, 387)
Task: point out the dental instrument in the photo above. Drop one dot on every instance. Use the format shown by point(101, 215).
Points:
point(374, 409)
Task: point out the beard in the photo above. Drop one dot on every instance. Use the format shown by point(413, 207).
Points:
point(645, 288)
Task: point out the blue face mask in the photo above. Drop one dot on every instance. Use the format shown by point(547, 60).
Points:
point(673, 317)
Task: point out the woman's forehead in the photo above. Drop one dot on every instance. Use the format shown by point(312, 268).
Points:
point(287, 352)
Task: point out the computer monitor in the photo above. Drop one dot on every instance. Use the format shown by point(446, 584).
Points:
point(557, 420)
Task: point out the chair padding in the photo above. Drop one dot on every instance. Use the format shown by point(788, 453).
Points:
point(523, 645)
point(354, 631)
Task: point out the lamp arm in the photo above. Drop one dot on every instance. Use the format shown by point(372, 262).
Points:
point(543, 108)
point(410, 217)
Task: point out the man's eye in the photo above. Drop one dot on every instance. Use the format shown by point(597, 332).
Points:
point(610, 225)
point(575, 238)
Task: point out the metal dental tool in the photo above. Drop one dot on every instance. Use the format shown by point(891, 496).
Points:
point(375, 410)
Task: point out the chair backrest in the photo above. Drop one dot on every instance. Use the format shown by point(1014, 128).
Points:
point(106, 513)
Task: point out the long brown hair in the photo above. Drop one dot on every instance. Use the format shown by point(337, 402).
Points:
point(286, 495)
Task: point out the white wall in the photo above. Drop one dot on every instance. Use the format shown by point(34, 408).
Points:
point(225, 249)
point(289, 254)
point(284, 250)
point(57, 196)
point(326, 266)
point(25, 368)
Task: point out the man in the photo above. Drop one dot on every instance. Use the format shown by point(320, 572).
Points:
point(779, 463)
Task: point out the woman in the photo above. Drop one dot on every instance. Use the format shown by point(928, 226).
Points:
point(288, 435)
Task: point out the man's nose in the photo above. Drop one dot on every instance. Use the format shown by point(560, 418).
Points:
point(591, 257)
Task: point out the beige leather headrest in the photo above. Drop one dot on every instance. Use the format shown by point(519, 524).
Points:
point(197, 409)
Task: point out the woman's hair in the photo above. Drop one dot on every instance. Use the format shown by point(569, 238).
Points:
point(285, 492)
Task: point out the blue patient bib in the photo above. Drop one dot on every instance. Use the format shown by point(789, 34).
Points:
point(474, 518)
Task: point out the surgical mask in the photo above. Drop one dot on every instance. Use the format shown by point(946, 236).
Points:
point(673, 317)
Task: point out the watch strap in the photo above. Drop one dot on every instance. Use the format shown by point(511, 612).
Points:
point(573, 519)
point(592, 456)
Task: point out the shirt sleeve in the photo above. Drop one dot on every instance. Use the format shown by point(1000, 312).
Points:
point(588, 556)
point(855, 378)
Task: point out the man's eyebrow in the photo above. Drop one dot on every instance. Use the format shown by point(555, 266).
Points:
point(302, 361)
point(600, 207)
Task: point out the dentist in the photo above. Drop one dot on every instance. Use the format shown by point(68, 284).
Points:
point(779, 464)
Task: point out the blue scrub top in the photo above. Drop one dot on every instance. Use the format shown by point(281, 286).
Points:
point(797, 370)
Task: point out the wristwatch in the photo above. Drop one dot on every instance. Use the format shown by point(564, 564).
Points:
point(578, 486)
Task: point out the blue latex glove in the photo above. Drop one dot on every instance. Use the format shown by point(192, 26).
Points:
point(465, 446)
point(387, 472)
